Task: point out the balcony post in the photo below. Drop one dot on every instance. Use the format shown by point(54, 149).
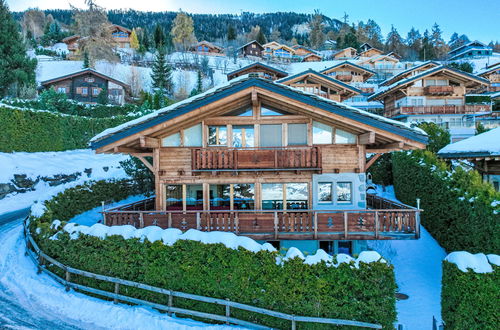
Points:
point(169, 219)
point(417, 219)
point(376, 225)
point(345, 224)
point(315, 224)
point(276, 222)
point(198, 221)
point(141, 220)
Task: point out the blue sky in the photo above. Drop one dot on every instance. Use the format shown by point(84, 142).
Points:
point(479, 19)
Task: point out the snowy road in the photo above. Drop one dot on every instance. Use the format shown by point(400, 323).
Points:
point(31, 301)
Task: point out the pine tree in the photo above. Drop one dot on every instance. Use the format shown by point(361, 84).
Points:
point(351, 40)
point(261, 38)
point(86, 62)
point(183, 31)
point(134, 41)
point(162, 73)
point(427, 52)
point(231, 32)
point(159, 37)
point(16, 69)
point(394, 41)
point(436, 40)
point(414, 44)
point(317, 37)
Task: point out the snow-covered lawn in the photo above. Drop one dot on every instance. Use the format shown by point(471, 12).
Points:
point(48, 164)
point(40, 293)
point(418, 269)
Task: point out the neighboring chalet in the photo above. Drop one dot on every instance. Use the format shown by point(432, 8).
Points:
point(312, 58)
point(72, 44)
point(346, 53)
point(322, 85)
point(267, 161)
point(470, 50)
point(252, 49)
point(483, 151)
point(413, 71)
point(371, 52)
point(269, 48)
point(395, 55)
point(206, 48)
point(492, 73)
point(349, 72)
point(364, 47)
point(302, 50)
point(121, 36)
point(438, 95)
point(379, 62)
point(259, 69)
point(86, 85)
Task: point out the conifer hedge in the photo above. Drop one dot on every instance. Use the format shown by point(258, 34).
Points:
point(32, 131)
point(365, 294)
point(460, 210)
point(470, 300)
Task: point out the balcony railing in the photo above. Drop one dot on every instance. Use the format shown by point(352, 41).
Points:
point(383, 219)
point(438, 110)
point(230, 159)
point(344, 77)
point(438, 90)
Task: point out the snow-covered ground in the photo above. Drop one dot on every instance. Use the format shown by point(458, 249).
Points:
point(47, 164)
point(418, 269)
point(51, 304)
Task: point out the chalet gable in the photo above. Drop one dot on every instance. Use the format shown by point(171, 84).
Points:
point(83, 72)
point(254, 92)
point(267, 71)
point(349, 66)
point(409, 72)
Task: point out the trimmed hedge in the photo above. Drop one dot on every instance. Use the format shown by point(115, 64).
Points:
point(470, 300)
point(32, 131)
point(459, 208)
point(365, 294)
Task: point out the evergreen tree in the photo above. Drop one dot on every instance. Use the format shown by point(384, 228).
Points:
point(199, 82)
point(436, 40)
point(86, 61)
point(102, 98)
point(350, 39)
point(414, 44)
point(162, 73)
point(16, 69)
point(261, 38)
point(394, 41)
point(317, 37)
point(231, 32)
point(159, 37)
point(134, 41)
point(457, 41)
point(374, 34)
point(427, 51)
point(463, 66)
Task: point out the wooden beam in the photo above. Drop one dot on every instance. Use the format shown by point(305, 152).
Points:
point(145, 162)
point(371, 161)
point(255, 99)
point(149, 142)
point(127, 150)
point(367, 138)
point(389, 147)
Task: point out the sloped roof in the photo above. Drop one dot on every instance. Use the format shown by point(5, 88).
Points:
point(472, 43)
point(408, 80)
point(257, 64)
point(348, 63)
point(405, 72)
point(121, 28)
point(208, 43)
point(320, 75)
point(132, 127)
point(251, 42)
point(340, 51)
point(370, 50)
point(481, 145)
point(466, 51)
point(489, 69)
point(82, 72)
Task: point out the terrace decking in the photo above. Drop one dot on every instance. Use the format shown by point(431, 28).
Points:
point(384, 219)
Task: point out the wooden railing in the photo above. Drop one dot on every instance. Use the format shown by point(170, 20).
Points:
point(49, 265)
point(290, 158)
point(437, 110)
point(344, 77)
point(383, 220)
point(438, 90)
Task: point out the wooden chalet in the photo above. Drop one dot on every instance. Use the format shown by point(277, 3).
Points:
point(264, 160)
point(121, 36)
point(259, 69)
point(269, 48)
point(470, 50)
point(86, 85)
point(206, 48)
point(410, 72)
point(322, 85)
point(312, 58)
point(440, 91)
point(492, 73)
point(252, 49)
point(364, 47)
point(346, 53)
point(302, 50)
point(284, 52)
point(395, 55)
point(379, 62)
point(482, 151)
point(371, 52)
point(349, 72)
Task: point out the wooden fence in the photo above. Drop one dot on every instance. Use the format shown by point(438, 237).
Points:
point(42, 260)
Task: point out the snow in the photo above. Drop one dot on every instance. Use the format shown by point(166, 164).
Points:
point(19, 280)
point(293, 253)
point(494, 259)
point(487, 142)
point(478, 263)
point(418, 269)
point(48, 164)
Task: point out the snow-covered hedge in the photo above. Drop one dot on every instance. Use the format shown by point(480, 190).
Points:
point(37, 130)
point(471, 291)
point(460, 210)
point(221, 265)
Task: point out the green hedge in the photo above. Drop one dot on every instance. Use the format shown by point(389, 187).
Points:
point(470, 300)
point(32, 131)
point(458, 206)
point(365, 294)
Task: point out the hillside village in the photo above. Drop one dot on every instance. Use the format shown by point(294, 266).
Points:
point(310, 148)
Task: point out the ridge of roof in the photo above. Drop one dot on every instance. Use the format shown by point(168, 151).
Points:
point(383, 83)
point(82, 71)
point(333, 80)
point(250, 42)
point(348, 63)
point(255, 64)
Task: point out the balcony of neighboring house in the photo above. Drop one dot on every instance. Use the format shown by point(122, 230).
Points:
point(437, 110)
point(281, 220)
point(344, 77)
point(439, 90)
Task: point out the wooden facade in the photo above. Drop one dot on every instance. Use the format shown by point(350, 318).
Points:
point(86, 86)
point(252, 49)
point(263, 160)
point(206, 48)
point(347, 53)
point(302, 50)
point(371, 52)
point(121, 36)
point(260, 69)
point(492, 73)
point(312, 58)
point(348, 72)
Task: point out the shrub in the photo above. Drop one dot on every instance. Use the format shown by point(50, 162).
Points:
point(459, 208)
point(438, 136)
point(142, 177)
point(381, 170)
point(32, 131)
point(366, 293)
point(470, 300)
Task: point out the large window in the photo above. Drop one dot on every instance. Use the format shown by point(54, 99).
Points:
point(243, 196)
point(242, 112)
point(194, 197)
point(193, 136)
point(220, 197)
point(325, 192)
point(297, 196)
point(344, 137)
point(269, 111)
point(322, 134)
point(344, 192)
point(278, 196)
point(272, 196)
point(271, 135)
point(174, 197)
point(173, 140)
point(217, 135)
point(243, 136)
point(297, 134)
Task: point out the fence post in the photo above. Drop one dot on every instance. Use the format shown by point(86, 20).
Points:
point(198, 221)
point(170, 302)
point(228, 311)
point(294, 326)
point(141, 220)
point(103, 214)
point(376, 225)
point(117, 289)
point(68, 279)
point(315, 220)
point(276, 221)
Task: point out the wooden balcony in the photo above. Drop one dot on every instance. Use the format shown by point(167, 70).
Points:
point(383, 219)
point(344, 77)
point(437, 110)
point(438, 90)
point(232, 159)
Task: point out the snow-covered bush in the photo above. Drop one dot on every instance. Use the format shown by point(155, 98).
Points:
point(460, 210)
point(471, 291)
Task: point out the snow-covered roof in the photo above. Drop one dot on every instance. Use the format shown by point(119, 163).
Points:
point(251, 42)
point(489, 69)
point(263, 65)
point(194, 102)
point(348, 63)
point(85, 71)
point(466, 51)
point(482, 145)
point(320, 75)
point(402, 73)
point(472, 43)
